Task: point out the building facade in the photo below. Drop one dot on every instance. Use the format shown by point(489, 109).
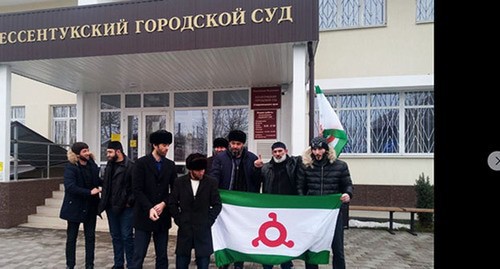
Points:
point(374, 60)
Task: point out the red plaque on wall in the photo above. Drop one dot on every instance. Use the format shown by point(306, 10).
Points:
point(264, 124)
point(266, 98)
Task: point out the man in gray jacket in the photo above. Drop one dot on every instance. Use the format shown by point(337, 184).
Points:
point(321, 173)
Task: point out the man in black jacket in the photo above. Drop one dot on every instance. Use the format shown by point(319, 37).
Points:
point(117, 199)
point(234, 170)
point(278, 177)
point(322, 173)
point(81, 199)
point(194, 204)
point(153, 180)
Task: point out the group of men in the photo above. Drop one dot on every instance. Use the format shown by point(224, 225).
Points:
point(146, 195)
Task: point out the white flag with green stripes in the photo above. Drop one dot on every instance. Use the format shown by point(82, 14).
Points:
point(333, 130)
point(273, 229)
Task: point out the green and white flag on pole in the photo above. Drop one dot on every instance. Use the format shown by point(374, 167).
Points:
point(332, 128)
point(273, 229)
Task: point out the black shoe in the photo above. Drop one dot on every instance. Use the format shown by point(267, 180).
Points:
point(118, 267)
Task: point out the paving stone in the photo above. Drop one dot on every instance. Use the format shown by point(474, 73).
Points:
point(23, 248)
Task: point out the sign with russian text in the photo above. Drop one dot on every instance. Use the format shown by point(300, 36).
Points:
point(265, 124)
point(266, 98)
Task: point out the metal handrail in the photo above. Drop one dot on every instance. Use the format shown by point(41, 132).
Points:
point(15, 142)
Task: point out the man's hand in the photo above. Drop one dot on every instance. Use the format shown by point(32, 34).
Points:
point(153, 215)
point(345, 198)
point(159, 207)
point(258, 163)
point(95, 191)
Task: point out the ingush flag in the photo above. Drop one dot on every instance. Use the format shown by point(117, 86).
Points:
point(273, 229)
point(332, 128)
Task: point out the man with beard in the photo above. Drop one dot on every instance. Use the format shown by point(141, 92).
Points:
point(321, 173)
point(117, 199)
point(194, 204)
point(81, 198)
point(153, 180)
point(220, 145)
point(278, 177)
point(234, 169)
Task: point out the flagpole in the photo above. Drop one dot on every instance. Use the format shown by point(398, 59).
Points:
point(311, 90)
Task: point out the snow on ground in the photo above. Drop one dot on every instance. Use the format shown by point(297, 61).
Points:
point(373, 224)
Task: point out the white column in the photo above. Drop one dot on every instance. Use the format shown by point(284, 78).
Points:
point(5, 88)
point(79, 115)
point(299, 125)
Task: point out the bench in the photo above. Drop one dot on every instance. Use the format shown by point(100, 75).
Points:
point(391, 211)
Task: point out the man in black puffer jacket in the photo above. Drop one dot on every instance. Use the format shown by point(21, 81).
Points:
point(321, 173)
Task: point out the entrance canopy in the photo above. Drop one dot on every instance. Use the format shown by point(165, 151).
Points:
point(159, 45)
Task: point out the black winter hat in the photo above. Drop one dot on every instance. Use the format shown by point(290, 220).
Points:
point(221, 142)
point(78, 146)
point(116, 145)
point(319, 142)
point(160, 137)
point(196, 161)
point(237, 135)
point(278, 145)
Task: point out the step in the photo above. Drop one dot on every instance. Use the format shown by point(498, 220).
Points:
point(36, 221)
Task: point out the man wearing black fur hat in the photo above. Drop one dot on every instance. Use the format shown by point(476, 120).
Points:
point(117, 199)
point(220, 145)
point(153, 180)
point(194, 204)
point(234, 169)
point(322, 173)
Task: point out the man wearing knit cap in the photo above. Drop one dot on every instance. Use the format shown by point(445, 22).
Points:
point(220, 145)
point(234, 169)
point(194, 205)
point(321, 173)
point(278, 176)
point(117, 199)
point(81, 198)
point(153, 180)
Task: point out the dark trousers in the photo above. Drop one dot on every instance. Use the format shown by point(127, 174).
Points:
point(71, 237)
point(122, 235)
point(182, 262)
point(338, 261)
point(141, 243)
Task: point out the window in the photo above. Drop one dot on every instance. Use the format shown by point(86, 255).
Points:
point(190, 133)
point(396, 122)
point(342, 14)
point(64, 124)
point(110, 120)
point(191, 125)
point(230, 112)
point(17, 113)
point(425, 11)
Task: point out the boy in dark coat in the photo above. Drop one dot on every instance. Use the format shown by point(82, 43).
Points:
point(194, 204)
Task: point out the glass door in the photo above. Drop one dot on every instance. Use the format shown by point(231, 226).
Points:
point(132, 137)
point(139, 126)
point(152, 122)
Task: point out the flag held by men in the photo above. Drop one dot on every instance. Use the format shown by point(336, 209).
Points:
point(332, 128)
point(273, 229)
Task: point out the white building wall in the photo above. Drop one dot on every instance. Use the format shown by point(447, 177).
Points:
point(37, 98)
point(401, 48)
point(399, 55)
